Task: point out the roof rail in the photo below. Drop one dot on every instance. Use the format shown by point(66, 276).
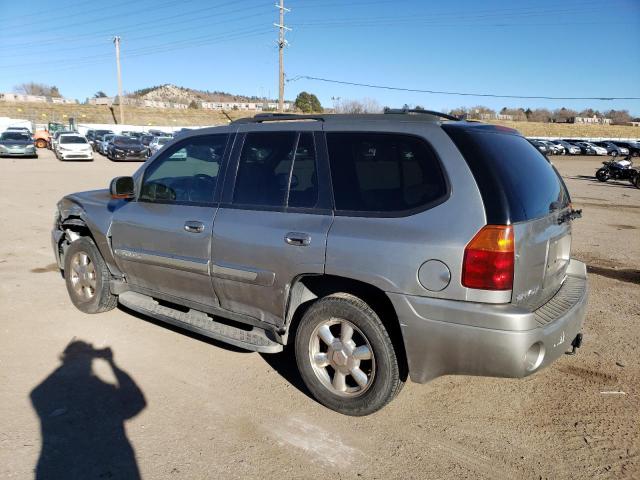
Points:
point(388, 110)
point(277, 117)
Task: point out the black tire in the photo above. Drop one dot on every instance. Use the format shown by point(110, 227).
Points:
point(101, 300)
point(635, 154)
point(383, 370)
point(602, 175)
point(636, 180)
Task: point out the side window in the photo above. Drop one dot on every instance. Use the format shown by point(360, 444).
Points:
point(187, 173)
point(277, 169)
point(379, 172)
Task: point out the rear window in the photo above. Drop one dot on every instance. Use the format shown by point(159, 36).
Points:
point(383, 173)
point(516, 181)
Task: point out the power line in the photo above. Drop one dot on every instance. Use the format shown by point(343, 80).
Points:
point(465, 94)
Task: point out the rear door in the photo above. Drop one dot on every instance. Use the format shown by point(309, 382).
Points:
point(162, 240)
point(274, 220)
point(521, 187)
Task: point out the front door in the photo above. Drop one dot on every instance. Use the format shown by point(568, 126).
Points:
point(162, 240)
point(273, 223)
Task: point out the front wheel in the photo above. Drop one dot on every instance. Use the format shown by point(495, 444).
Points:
point(602, 174)
point(636, 180)
point(87, 277)
point(346, 357)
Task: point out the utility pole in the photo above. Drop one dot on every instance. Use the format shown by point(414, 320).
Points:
point(281, 44)
point(116, 41)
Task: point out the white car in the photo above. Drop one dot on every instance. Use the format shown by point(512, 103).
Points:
point(597, 149)
point(73, 146)
point(157, 143)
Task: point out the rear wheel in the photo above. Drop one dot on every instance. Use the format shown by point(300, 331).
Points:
point(87, 277)
point(602, 174)
point(346, 357)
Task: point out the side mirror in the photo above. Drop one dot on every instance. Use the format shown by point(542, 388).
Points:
point(122, 188)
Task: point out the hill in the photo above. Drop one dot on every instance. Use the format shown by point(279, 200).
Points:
point(45, 112)
point(173, 93)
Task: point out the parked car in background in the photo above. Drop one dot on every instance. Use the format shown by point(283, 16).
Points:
point(55, 137)
point(613, 149)
point(98, 136)
point(540, 146)
point(588, 148)
point(347, 253)
point(90, 136)
point(17, 144)
point(103, 145)
point(569, 148)
point(157, 143)
point(552, 148)
point(633, 147)
point(73, 146)
point(18, 129)
point(146, 139)
point(126, 148)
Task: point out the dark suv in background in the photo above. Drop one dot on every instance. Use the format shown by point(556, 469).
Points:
point(382, 247)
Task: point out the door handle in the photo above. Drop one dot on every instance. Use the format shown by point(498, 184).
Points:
point(193, 227)
point(297, 239)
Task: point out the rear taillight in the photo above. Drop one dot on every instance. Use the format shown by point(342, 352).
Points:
point(489, 259)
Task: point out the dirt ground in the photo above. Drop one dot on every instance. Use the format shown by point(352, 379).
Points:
point(211, 411)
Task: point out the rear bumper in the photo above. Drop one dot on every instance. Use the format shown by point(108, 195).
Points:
point(445, 337)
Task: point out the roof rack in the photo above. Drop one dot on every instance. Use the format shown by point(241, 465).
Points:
point(277, 117)
point(292, 117)
point(388, 110)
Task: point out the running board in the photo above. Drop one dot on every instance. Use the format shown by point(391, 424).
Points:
point(256, 339)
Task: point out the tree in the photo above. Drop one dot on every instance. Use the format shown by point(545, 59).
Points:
point(618, 117)
point(308, 103)
point(40, 89)
point(563, 114)
point(356, 107)
point(539, 115)
point(459, 112)
point(194, 105)
point(100, 94)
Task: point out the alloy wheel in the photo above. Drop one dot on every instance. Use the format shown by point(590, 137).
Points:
point(342, 358)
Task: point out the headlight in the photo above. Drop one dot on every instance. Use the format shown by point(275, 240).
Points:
point(2, 148)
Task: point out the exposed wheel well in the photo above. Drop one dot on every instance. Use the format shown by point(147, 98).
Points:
point(73, 227)
point(307, 289)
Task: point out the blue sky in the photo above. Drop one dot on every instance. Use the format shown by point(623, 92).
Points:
point(587, 48)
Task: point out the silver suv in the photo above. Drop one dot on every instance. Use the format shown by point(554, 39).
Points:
point(381, 247)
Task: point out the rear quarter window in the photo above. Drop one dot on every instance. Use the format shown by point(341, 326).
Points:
point(516, 181)
point(384, 174)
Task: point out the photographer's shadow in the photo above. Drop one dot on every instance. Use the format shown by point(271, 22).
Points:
point(82, 418)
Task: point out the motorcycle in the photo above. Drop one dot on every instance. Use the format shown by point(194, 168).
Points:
point(619, 170)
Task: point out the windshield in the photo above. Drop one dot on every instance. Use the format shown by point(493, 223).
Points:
point(162, 141)
point(15, 136)
point(126, 140)
point(103, 132)
point(72, 139)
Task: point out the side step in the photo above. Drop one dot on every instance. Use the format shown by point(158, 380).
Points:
point(255, 339)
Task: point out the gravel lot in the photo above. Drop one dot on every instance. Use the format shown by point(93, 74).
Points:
point(212, 411)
